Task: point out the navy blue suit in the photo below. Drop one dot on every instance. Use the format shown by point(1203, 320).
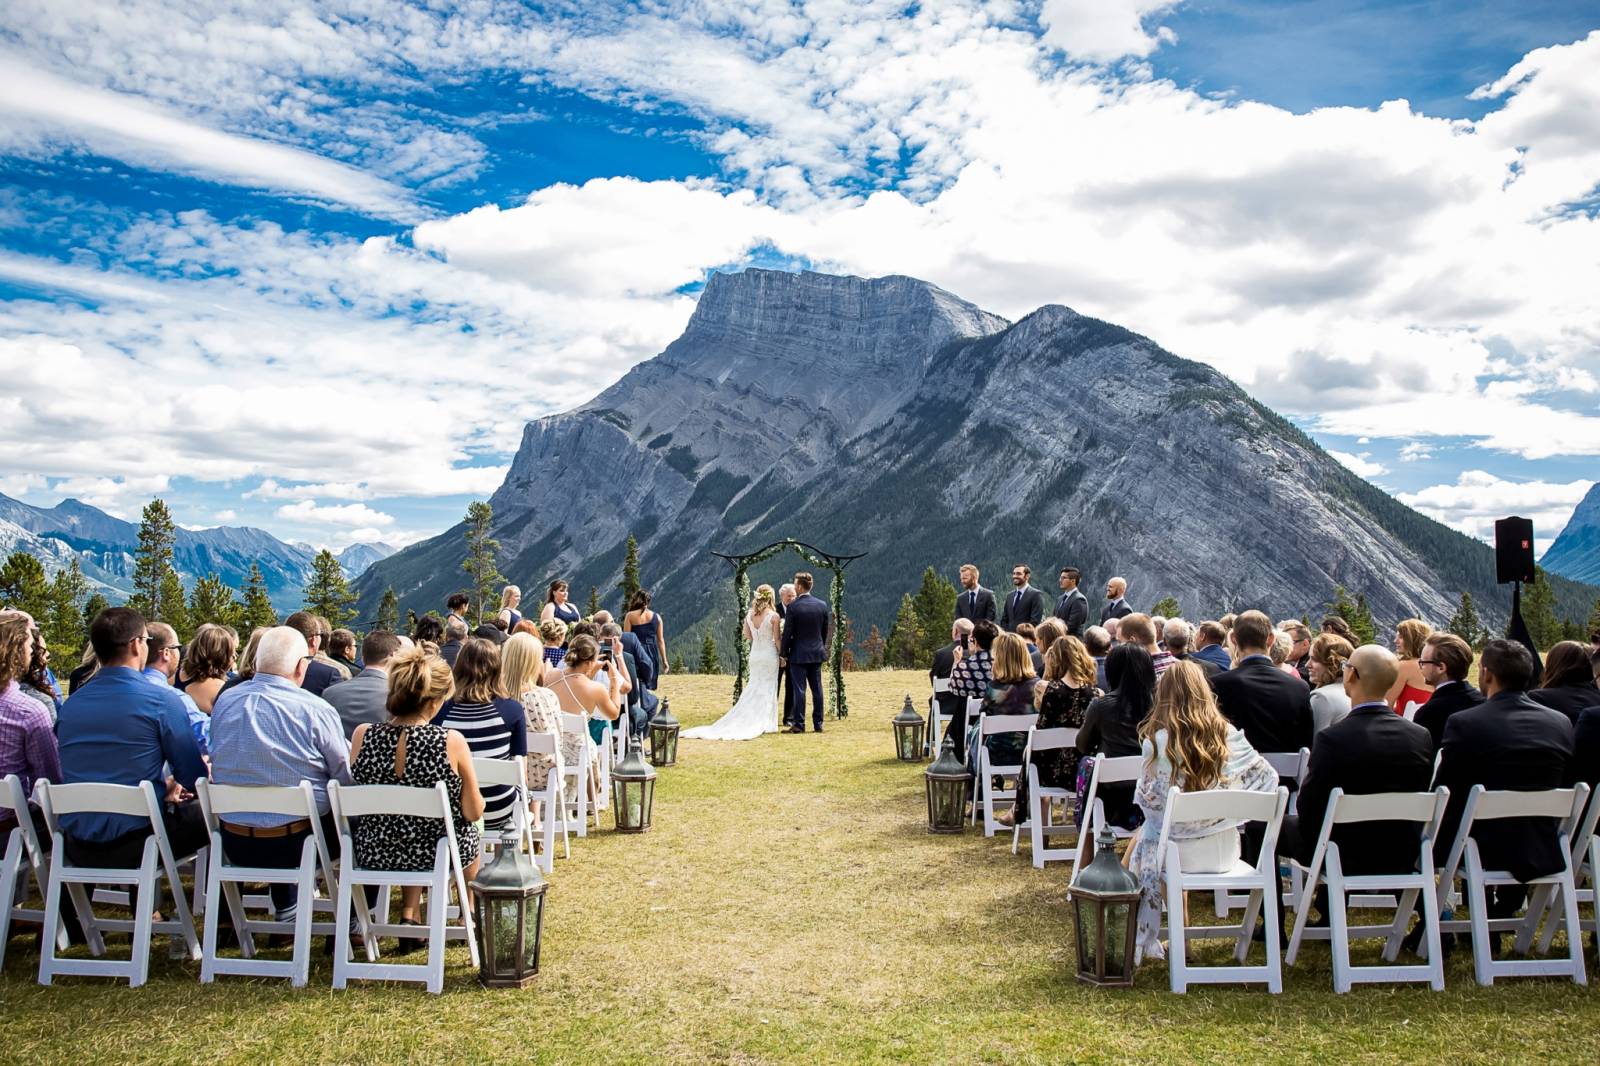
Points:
point(806, 626)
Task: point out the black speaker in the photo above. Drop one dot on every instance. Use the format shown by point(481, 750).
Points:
point(1513, 550)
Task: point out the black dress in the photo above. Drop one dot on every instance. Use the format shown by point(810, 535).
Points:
point(1061, 707)
point(404, 842)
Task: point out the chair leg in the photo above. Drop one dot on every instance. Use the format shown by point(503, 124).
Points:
point(1339, 931)
point(341, 929)
point(1478, 904)
point(438, 907)
point(48, 945)
point(1539, 905)
point(1269, 919)
point(305, 904)
point(241, 922)
point(84, 905)
point(1247, 925)
point(208, 943)
point(145, 901)
point(1569, 901)
point(10, 867)
point(1430, 937)
point(1402, 914)
point(1177, 934)
point(1302, 911)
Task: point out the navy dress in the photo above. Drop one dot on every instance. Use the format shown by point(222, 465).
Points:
point(649, 634)
point(568, 613)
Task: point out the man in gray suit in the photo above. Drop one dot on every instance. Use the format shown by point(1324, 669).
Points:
point(365, 697)
point(1073, 606)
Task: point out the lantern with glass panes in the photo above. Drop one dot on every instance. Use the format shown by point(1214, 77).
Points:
point(663, 737)
point(949, 782)
point(908, 726)
point(1105, 906)
point(633, 789)
point(510, 904)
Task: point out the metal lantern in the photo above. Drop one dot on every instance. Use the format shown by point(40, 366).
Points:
point(949, 782)
point(663, 737)
point(1105, 910)
point(510, 904)
point(908, 727)
point(633, 790)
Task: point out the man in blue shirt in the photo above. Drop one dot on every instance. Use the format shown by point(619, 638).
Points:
point(122, 730)
point(162, 658)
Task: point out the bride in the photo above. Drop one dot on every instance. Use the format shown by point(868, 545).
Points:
point(757, 710)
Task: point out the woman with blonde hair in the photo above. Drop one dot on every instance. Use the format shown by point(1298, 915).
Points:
point(521, 667)
point(247, 660)
point(757, 710)
point(1046, 634)
point(1329, 701)
point(1068, 689)
point(1410, 687)
point(1187, 744)
point(510, 597)
point(553, 632)
point(1011, 687)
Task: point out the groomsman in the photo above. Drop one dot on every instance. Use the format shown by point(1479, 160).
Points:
point(785, 697)
point(1025, 604)
point(976, 603)
point(1116, 600)
point(1073, 606)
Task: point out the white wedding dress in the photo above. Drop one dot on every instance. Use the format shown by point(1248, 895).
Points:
point(757, 710)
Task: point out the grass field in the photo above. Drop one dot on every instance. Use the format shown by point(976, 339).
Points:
point(789, 905)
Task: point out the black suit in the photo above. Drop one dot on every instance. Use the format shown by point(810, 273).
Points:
point(1507, 742)
point(806, 632)
point(1447, 699)
point(1022, 605)
point(1585, 765)
point(319, 675)
point(784, 695)
point(949, 703)
point(1270, 707)
point(1370, 750)
point(1570, 700)
point(1206, 665)
point(976, 604)
point(1073, 610)
point(1117, 608)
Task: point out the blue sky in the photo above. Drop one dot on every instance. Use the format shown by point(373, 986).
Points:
point(327, 260)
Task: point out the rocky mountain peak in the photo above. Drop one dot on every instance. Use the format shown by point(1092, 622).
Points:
point(1576, 552)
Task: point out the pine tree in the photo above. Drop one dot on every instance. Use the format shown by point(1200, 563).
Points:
point(257, 611)
point(1466, 624)
point(97, 603)
point(212, 601)
point(630, 573)
point(1594, 624)
point(847, 657)
point(23, 585)
point(1539, 611)
point(481, 549)
point(174, 611)
point(678, 665)
point(152, 560)
point(1167, 607)
point(905, 636)
point(935, 606)
point(872, 647)
point(708, 655)
point(327, 593)
point(63, 626)
point(592, 608)
point(1355, 613)
point(389, 612)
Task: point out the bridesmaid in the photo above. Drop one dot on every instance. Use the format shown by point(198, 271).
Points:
point(556, 606)
point(645, 624)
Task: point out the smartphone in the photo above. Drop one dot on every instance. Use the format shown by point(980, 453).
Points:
point(964, 639)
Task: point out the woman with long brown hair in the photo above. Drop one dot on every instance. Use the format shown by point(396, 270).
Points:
point(1410, 687)
point(1187, 744)
point(1568, 683)
point(1067, 691)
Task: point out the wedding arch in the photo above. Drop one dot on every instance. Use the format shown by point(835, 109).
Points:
point(741, 594)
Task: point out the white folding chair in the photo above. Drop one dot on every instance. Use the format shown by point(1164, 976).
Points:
point(1565, 807)
point(1107, 771)
point(137, 801)
point(1585, 857)
point(575, 809)
point(936, 720)
point(1291, 765)
point(1422, 808)
point(552, 800)
point(359, 801)
point(217, 802)
point(988, 770)
point(1409, 712)
point(1040, 821)
point(602, 753)
point(1260, 881)
point(511, 773)
point(25, 860)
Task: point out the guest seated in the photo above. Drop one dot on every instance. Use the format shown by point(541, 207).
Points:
point(1047, 633)
point(364, 698)
point(27, 741)
point(641, 703)
point(428, 630)
point(1445, 660)
point(319, 675)
point(1139, 629)
point(271, 731)
point(121, 730)
point(1410, 687)
point(553, 631)
point(208, 664)
point(246, 667)
point(1010, 692)
point(1112, 626)
point(1336, 625)
point(1067, 691)
point(1210, 645)
point(1568, 683)
point(492, 724)
point(1030, 636)
point(455, 632)
point(521, 666)
point(579, 691)
point(1299, 647)
point(86, 668)
point(1097, 642)
point(409, 750)
point(1111, 727)
point(1282, 645)
point(1585, 764)
point(970, 677)
point(1187, 744)
point(342, 650)
point(161, 668)
point(1273, 708)
point(1329, 701)
point(324, 646)
point(1177, 636)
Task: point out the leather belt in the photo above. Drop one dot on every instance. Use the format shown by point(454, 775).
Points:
point(267, 832)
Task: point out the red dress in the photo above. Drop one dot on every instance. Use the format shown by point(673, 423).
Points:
point(1411, 694)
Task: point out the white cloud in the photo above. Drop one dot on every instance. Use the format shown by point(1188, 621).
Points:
point(1361, 465)
point(350, 514)
point(225, 516)
point(1415, 451)
point(1478, 498)
point(1105, 29)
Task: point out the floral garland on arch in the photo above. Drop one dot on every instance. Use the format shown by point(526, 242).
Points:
point(741, 592)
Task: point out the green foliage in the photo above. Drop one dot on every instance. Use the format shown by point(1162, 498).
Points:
point(389, 612)
point(212, 601)
point(63, 625)
point(23, 585)
point(1355, 613)
point(709, 663)
point(630, 573)
point(1466, 624)
point(93, 607)
point(327, 593)
point(678, 665)
point(173, 610)
point(1539, 611)
point(905, 643)
point(1167, 607)
point(153, 561)
point(935, 607)
point(481, 549)
point(592, 608)
point(1594, 624)
point(257, 611)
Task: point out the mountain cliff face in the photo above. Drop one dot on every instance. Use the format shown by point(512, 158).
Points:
point(887, 416)
point(1576, 552)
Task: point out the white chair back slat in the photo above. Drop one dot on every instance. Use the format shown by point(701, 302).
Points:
point(941, 685)
point(1220, 803)
point(498, 771)
point(94, 798)
point(1118, 769)
point(1053, 739)
point(1552, 803)
point(974, 706)
point(287, 800)
point(1382, 807)
point(1290, 764)
point(361, 800)
point(542, 743)
point(1007, 723)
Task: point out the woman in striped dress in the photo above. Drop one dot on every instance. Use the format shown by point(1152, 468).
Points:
point(494, 726)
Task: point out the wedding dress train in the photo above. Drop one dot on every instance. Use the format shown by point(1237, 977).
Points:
point(757, 710)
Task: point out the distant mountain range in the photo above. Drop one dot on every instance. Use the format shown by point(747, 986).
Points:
point(1576, 552)
point(104, 547)
point(890, 417)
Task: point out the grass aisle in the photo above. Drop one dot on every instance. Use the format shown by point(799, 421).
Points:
point(789, 905)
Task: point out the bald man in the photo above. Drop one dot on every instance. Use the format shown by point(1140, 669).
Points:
point(1116, 600)
point(1370, 750)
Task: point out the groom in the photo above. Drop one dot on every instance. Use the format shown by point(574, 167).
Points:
point(807, 632)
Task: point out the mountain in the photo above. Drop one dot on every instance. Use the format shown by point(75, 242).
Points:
point(1576, 552)
point(104, 547)
point(356, 558)
point(889, 417)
